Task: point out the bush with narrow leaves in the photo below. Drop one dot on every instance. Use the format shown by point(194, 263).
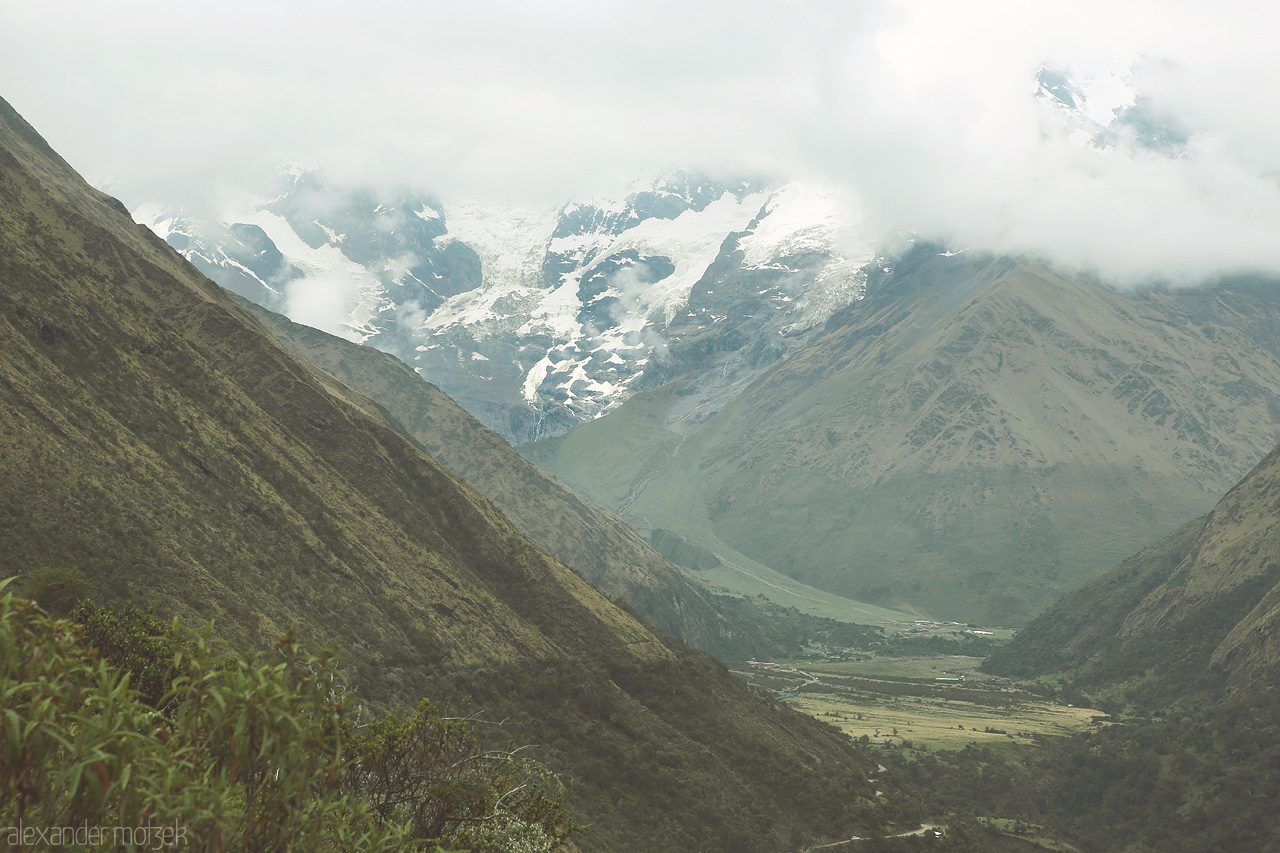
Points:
point(234, 751)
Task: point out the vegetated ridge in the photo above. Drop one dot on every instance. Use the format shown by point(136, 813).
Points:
point(1178, 643)
point(1194, 616)
point(593, 541)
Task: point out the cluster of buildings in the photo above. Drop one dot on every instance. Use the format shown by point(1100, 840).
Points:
point(764, 664)
point(922, 626)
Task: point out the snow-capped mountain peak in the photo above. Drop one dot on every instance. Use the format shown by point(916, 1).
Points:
point(538, 318)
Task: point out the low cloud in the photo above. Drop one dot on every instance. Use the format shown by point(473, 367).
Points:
point(323, 302)
point(975, 161)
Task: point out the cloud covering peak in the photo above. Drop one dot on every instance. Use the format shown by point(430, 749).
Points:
point(925, 112)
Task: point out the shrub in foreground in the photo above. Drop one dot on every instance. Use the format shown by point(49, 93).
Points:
point(233, 751)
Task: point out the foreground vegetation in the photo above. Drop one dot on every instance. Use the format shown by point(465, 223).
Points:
point(139, 734)
point(117, 719)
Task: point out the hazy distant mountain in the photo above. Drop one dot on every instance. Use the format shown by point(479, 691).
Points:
point(876, 461)
point(1108, 112)
point(538, 319)
point(976, 437)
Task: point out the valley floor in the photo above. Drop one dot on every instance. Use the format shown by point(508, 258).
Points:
point(918, 708)
point(919, 703)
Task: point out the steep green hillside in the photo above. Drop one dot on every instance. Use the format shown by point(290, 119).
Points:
point(1080, 634)
point(974, 439)
point(1180, 643)
point(584, 536)
point(155, 438)
point(1197, 614)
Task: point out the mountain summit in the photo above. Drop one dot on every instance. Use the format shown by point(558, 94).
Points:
point(976, 437)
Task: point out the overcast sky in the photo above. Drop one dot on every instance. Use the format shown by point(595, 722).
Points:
point(921, 110)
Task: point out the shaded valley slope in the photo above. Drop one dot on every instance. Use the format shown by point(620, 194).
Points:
point(1196, 615)
point(1179, 644)
point(593, 541)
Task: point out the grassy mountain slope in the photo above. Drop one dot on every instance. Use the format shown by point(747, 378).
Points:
point(1197, 614)
point(155, 437)
point(593, 541)
point(1079, 634)
point(974, 439)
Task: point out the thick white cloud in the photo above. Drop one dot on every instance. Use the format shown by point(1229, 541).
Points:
point(921, 109)
point(960, 149)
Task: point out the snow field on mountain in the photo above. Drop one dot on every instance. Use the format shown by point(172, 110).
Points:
point(336, 294)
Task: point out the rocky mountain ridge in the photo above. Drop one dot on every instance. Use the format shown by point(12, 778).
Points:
point(536, 320)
